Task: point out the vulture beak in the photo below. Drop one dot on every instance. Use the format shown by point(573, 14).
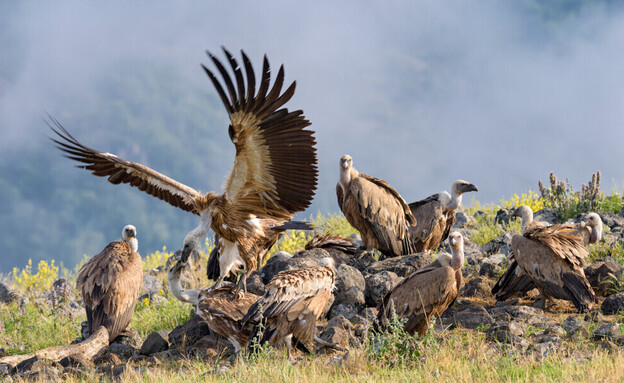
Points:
point(345, 164)
point(516, 213)
point(469, 188)
point(186, 252)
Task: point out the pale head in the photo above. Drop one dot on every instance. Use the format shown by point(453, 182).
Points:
point(195, 236)
point(525, 213)
point(456, 241)
point(346, 162)
point(128, 234)
point(460, 187)
point(593, 221)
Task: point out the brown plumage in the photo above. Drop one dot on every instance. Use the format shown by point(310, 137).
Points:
point(375, 209)
point(217, 307)
point(110, 284)
point(553, 257)
point(436, 216)
point(427, 292)
point(293, 302)
point(274, 174)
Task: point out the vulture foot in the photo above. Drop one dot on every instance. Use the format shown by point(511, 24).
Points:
point(241, 287)
point(328, 344)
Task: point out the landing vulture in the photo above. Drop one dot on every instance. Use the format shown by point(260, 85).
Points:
point(427, 292)
point(436, 216)
point(273, 177)
point(110, 283)
point(293, 302)
point(375, 209)
point(217, 307)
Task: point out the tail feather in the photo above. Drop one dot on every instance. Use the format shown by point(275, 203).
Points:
point(579, 289)
point(510, 283)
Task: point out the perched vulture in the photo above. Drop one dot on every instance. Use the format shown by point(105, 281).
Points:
point(515, 280)
point(426, 292)
point(293, 301)
point(217, 307)
point(553, 257)
point(375, 209)
point(436, 215)
point(110, 284)
point(273, 177)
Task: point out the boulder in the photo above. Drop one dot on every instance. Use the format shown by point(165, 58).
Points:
point(350, 285)
point(613, 304)
point(123, 351)
point(503, 216)
point(7, 295)
point(402, 265)
point(572, 324)
point(276, 263)
point(611, 219)
point(499, 245)
point(255, 284)
point(189, 333)
point(363, 259)
point(378, 285)
point(338, 331)
point(603, 274)
point(607, 330)
point(492, 266)
point(347, 310)
point(478, 287)
point(549, 215)
point(155, 342)
point(472, 318)
point(462, 219)
point(210, 347)
point(501, 332)
point(151, 285)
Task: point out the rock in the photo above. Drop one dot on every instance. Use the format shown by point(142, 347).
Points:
point(607, 330)
point(50, 374)
point(548, 215)
point(572, 324)
point(154, 343)
point(152, 300)
point(76, 360)
point(503, 217)
point(472, 318)
point(337, 331)
point(129, 336)
point(594, 316)
point(61, 292)
point(5, 369)
point(106, 359)
point(492, 266)
point(347, 310)
point(255, 284)
point(189, 333)
point(602, 275)
point(363, 259)
point(610, 219)
point(613, 304)
point(151, 285)
point(478, 287)
point(499, 245)
point(523, 313)
point(338, 256)
point(26, 365)
point(462, 219)
point(378, 285)
point(276, 263)
point(401, 265)
point(350, 285)
point(501, 332)
point(543, 349)
point(7, 295)
point(123, 351)
point(210, 347)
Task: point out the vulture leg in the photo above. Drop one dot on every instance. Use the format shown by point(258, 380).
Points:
point(328, 344)
point(241, 286)
point(217, 283)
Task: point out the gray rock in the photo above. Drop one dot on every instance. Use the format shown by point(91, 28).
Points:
point(610, 219)
point(472, 318)
point(350, 285)
point(363, 259)
point(151, 285)
point(462, 219)
point(546, 338)
point(478, 287)
point(123, 351)
point(155, 342)
point(501, 332)
point(503, 216)
point(27, 365)
point(523, 313)
point(621, 213)
point(276, 263)
point(338, 331)
point(76, 360)
point(187, 334)
point(499, 245)
point(210, 347)
point(348, 310)
point(5, 369)
point(7, 295)
point(613, 304)
point(607, 330)
point(603, 275)
point(255, 284)
point(543, 349)
point(492, 266)
point(49, 374)
point(129, 336)
point(378, 285)
point(401, 265)
point(548, 215)
point(572, 324)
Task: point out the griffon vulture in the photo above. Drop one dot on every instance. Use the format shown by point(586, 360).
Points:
point(515, 280)
point(217, 307)
point(375, 209)
point(436, 215)
point(273, 177)
point(426, 292)
point(293, 302)
point(110, 284)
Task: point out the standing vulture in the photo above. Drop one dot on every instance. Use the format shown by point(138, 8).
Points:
point(291, 305)
point(436, 216)
point(426, 292)
point(274, 174)
point(515, 280)
point(553, 257)
point(217, 307)
point(110, 284)
point(375, 209)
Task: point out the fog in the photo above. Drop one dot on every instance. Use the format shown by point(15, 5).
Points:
point(419, 93)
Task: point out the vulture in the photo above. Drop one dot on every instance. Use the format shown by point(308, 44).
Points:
point(426, 292)
point(217, 307)
point(273, 177)
point(110, 283)
point(436, 215)
point(291, 305)
point(515, 280)
point(375, 209)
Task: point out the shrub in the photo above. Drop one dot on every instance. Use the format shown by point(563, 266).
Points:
point(25, 280)
point(531, 199)
point(156, 259)
point(566, 201)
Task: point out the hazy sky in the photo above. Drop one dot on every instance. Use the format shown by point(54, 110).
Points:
point(420, 93)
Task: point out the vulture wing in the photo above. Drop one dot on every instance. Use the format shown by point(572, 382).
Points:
point(563, 240)
point(119, 171)
point(275, 168)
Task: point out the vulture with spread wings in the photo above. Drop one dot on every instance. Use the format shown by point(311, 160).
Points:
point(273, 177)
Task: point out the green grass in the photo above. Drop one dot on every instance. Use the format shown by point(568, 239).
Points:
point(484, 229)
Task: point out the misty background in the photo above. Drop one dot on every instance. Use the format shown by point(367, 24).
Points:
point(419, 93)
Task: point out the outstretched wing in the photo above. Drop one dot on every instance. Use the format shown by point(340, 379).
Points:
point(275, 168)
point(119, 171)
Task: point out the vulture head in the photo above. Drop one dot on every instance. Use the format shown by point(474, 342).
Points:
point(458, 188)
point(593, 221)
point(346, 162)
point(195, 236)
point(456, 241)
point(347, 171)
point(128, 234)
point(525, 213)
